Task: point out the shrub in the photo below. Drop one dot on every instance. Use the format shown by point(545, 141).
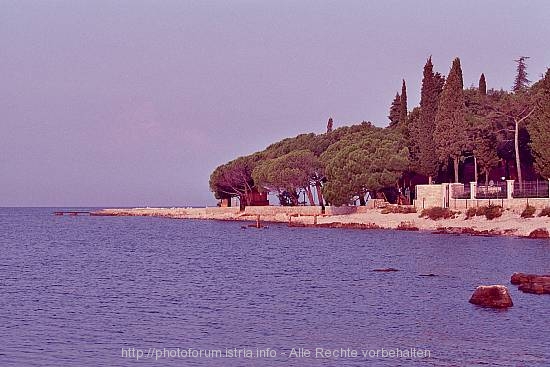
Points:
point(528, 212)
point(437, 213)
point(398, 209)
point(480, 211)
point(493, 211)
point(545, 212)
point(471, 212)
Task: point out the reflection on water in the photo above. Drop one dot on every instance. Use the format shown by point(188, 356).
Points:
point(75, 291)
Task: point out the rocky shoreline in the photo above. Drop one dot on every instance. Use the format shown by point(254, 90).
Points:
point(509, 224)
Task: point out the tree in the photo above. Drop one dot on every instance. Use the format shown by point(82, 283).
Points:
point(513, 110)
point(368, 161)
point(421, 129)
point(482, 137)
point(290, 173)
point(450, 134)
point(539, 126)
point(234, 179)
point(395, 111)
point(482, 85)
point(484, 144)
point(521, 82)
point(403, 104)
point(329, 125)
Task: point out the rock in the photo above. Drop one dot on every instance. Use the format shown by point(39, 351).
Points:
point(427, 275)
point(496, 296)
point(539, 233)
point(407, 226)
point(535, 288)
point(385, 270)
point(532, 283)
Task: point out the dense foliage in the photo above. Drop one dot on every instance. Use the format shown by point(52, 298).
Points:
point(491, 128)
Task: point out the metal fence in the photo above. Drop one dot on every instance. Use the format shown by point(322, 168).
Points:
point(531, 189)
point(495, 190)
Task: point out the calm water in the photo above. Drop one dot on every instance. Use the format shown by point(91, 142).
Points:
point(75, 291)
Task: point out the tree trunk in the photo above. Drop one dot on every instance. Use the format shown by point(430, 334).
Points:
point(455, 162)
point(429, 180)
point(486, 177)
point(475, 169)
point(319, 194)
point(518, 160)
point(295, 198)
point(310, 196)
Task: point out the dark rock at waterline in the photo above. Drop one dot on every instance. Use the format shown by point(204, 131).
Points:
point(427, 275)
point(532, 283)
point(407, 226)
point(385, 270)
point(496, 296)
point(539, 233)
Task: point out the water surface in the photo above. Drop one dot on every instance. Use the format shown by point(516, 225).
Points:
point(75, 291)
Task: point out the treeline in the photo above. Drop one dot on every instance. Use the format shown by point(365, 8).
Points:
point(451, 125)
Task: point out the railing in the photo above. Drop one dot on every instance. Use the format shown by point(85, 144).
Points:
point(496, 190)
point(531, 189)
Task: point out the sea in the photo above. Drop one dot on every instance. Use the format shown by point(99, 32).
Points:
point(144, 291)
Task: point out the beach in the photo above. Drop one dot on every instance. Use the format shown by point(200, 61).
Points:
point(509, 224)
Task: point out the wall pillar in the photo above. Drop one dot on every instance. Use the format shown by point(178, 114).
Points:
point(473, 190)
point(509, 188)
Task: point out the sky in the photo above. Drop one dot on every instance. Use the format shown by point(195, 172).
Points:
point(134, 103)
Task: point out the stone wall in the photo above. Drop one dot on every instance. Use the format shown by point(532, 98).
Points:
point(428, 196)
point(515, 205)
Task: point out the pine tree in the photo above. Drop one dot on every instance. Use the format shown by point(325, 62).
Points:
point(521, 82)
point(329, 125)
point(451, 132)
point(395, 111)
point(482, 85)
point(421, 129)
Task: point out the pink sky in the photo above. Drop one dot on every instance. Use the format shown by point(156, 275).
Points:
point(112, 103)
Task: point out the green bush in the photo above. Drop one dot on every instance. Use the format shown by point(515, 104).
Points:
point(545, 212)
point(437, 213)
point(471, 212)
point(398, 209)
point(480, 211)
point(493, 211)
point(528, 212)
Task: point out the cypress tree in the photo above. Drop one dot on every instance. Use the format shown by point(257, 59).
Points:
point(403, 105)
point(451, 128)
point(482, 85)
point(421, 129)
point(395, 111)
point(521, 82)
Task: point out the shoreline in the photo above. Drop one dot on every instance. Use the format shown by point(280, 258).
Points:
point(509, 224)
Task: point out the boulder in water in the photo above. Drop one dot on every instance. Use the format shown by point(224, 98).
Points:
point(496, 296)
point(532, 283)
